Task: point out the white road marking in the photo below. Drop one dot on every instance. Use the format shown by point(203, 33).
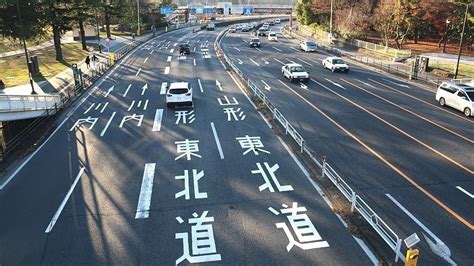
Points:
point(254, 62)
point(218, 143)
point(258, 49)
point(367, 251)
point(138, 72)
point(145, 105)
point(167, 70)
point(465, 192)
point(146, 59)
point(88, 109)
point(303, 86)
point(305, 62)
point(126, 91)
point(144, 200)
point(294, 49)
point(367, 84)
point(265, 61)
point(245, 41)
point(63, 203)
point(279, 61)
point(174, 45)
point(103, 108)
point(194, 49)
point(273, 211)
point(219, 85)
point(336, 84)
point(439, 248)
point(169, 59)
point(107, 125)
point(139, 104)
point(98, 106)
point(152, 51)
point(109, 91)
point(267, 87)
point(398, 84)
point(279, 50)
point(200, 85)
point(144, 88)
point(236, 48)
point(240, 61)
point(164, 85)
point(157, 121)
point(171, 51)
point(291, 61)
point(131, 105)
point(194, 61)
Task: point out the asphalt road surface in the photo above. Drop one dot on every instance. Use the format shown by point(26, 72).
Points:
point(410, 159)
point(124, 180)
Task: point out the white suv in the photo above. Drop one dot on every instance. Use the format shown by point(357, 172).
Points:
point(179, 94)
point(458, 94)
point(272, 36)
point(295, 72)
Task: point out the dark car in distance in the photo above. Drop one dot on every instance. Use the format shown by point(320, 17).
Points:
point(184, 49)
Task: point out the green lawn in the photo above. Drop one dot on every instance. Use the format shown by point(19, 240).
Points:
point(14, 72)
point(7, 45)
point(465, 70)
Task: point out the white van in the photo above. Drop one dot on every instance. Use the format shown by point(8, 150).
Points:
point(272, 36)
point(458, 94)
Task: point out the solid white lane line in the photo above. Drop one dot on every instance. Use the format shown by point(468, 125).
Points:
point(167, 70)
point(131, 105)
point(145, 105)
point(144, 200)
point(254, 62)
point(63, 203)
point(439, 244)
point(164, 85)
point(279, 61)
point(194, 61)
point(138, 72)
point(465, 192)
point(126, 91)
point(375, 261)
point(107, 125)
point(171, 51)
point(88, 109)
point(200, 85)
point(157, 121)
point(305, 62)
point(218, 143)
point(168, 59)
point(105, 106)
point(146, 59)
point(279, 50)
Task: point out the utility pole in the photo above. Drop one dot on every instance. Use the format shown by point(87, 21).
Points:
point(456, 70)
point(138, 16)
point(26, 50)
point(330, 23)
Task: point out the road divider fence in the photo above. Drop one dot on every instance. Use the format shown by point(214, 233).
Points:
point(357, 203)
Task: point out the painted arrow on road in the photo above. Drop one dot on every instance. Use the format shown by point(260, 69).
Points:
point(109, 91)
point(398, 84)
point(267, 87)
point(303, 86)
point(367, 84)
point(336, 84)
point(240, 62)
point(218, 84)
point(144, 88)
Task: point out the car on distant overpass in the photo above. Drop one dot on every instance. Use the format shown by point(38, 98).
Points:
point(294, 72)
point(458, 94)
point(334, 64)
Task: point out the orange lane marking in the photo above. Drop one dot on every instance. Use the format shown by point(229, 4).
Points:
point(400, 130)
point(400, 172)
point(411, 112)
point(420, 100)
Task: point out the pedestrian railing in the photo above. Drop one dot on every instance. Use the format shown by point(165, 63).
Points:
point(16, 103)
point(357, 203)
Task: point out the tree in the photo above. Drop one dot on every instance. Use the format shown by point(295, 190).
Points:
point(304, 13)
point(384, 19)
point(112, 9)
point(31, 24)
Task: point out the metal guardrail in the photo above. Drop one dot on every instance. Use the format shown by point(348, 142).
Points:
point(357, 203)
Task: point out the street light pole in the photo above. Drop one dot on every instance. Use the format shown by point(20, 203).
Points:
point(330, 23)
point(446, 33)
point(138, 17)
point(26, 50)
point(456, 70)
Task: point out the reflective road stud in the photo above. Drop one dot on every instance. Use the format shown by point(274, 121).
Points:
point(412, 257)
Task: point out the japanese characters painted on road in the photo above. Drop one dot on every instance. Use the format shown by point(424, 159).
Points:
point(89, 120)
point(126, 118)
point(187, 148)
point(184, 117)
point(202, 240)
point(227, 102)
point(303, 228)
point(205, 53)
point(234, 114)
point(187, 192)
point(251, 144)
point(268, 185)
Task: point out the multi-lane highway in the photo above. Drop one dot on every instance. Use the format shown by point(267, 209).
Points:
point(411, 160)
point(124, 180)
